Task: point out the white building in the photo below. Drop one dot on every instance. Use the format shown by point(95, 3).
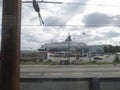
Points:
point(63, 45)
point(71, 46)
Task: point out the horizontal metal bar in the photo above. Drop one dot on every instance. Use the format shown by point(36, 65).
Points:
point(53, 79)
point(43, 2)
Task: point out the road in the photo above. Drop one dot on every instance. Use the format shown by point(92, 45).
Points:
point(69, 71)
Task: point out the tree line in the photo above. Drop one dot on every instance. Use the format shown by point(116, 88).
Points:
point(111, 49)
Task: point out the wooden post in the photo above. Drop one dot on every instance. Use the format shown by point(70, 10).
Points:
point(10, 45)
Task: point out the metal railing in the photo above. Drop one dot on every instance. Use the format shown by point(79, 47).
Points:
point(70, 83)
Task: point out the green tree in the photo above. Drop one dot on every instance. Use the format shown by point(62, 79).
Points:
point(34, 56)
point(111, 49)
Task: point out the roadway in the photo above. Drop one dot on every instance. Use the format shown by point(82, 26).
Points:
point(69, 71)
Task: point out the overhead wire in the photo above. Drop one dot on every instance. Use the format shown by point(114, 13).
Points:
point(69, 3)
point(23, 25)
point(42, 1)
point(78, 3)
point(107, 5)
point(44, 8)
point(78, 25)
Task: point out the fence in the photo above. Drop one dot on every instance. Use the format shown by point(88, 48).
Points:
point(70, 84)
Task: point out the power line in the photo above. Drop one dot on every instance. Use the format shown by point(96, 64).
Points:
point(92, 4)
point(45, 8)
point(92, 26)
point(89, 26)
point(51, 25)
point(71, 3)
point(105, 5)
point(109, 5)
point(43, 2)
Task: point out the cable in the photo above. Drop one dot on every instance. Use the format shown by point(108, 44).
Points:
point(92, 4)
point(43, 2)
point(51, 25)
point(92, 26)
point(74, 3)
point(95, 26)
point(71, 3)
point(45, 8)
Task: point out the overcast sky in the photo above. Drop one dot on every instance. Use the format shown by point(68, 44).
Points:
point(94, 22)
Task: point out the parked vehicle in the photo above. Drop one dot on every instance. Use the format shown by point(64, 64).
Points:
point(98, 58)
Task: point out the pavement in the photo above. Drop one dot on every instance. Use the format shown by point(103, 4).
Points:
point(73, 66)
point(69, 71)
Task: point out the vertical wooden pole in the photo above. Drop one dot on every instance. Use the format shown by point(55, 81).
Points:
point(10, 45)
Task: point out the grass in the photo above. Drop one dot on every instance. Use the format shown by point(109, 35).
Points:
point(57, 63)
point(35, 63)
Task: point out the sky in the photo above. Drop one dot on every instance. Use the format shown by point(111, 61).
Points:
point(94, 22)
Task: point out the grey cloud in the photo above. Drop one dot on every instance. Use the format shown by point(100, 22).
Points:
point(97, 20)
point(27, 11)
point(54, 21)
point(67, 11)
point(92, 39)
point(97, 38)
point(111, 34)
point(73, 28)
point(116, 21)
point(34, 19)
point(30, 38)
point(100, 20)
point(72, 9)
point(103, 36)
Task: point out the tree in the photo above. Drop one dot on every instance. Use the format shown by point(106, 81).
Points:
point(34, 56)
point(111, 49)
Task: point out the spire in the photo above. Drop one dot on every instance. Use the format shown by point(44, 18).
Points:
point(68, 38)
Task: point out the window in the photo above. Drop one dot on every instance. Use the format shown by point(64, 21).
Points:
point(73, 34)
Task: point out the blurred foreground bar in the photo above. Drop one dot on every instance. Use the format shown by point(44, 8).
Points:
point(10, 46)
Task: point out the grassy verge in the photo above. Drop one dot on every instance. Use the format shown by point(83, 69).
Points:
point(57, 63)
point(35, 63)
